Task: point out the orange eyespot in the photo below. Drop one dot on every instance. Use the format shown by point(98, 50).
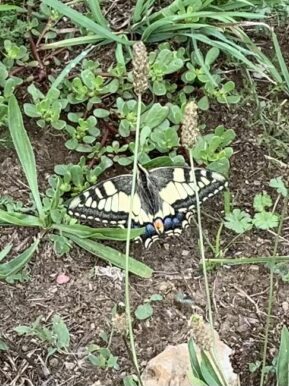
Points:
point(159, 226)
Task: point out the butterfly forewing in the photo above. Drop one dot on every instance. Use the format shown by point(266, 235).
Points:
point(176, 185)
point(106, 202)
point(109, 202)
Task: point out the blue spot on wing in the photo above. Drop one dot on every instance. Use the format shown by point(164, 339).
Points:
point(149, 231)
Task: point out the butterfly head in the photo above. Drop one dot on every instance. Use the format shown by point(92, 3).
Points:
point(159, 226)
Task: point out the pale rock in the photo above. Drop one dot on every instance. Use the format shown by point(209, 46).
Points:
point(172, 366)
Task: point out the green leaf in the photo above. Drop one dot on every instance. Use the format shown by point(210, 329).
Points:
point(222, 166)
point(84, 21)
point(265, 220)
point(159, 88)
point(211, 56)
point(154, 116)
point(161, 161)
point(81, 40)
point(208, 372)
point(283, 359)
point(144, 311)
point(5, 251)
point(7, 7)
point(84, 231)
point(239, 221)
point(19, 219)
point(3, 345)
point(129, 381)
point(31, 110)
point(15, 265)
point(23, 330)
point(112, 256)
point(61, 332)
point(203, 103)
point(262, 201)
point(156, 298)
point(24, 150)
point(72, 64)
point(144, 134)
point(100, 113)
point(96, 12)
point(195, 365)
point(279, 185)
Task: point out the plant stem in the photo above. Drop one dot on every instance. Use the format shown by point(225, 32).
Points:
point(248, 260)
point(271, 288)
point(127, 247)
point(202, 250)
point(203, 259)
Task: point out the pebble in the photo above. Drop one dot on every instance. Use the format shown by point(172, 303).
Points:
point(54, 362)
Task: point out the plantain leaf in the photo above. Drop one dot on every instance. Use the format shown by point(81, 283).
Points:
point(84, 232)
point(112, 256)
point(15, 265)
point(283, 359)
point(24, 150)
point(19, 219)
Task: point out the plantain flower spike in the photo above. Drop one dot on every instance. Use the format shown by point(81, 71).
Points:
point(201, 333)
point(189, 128)
point(140, 68)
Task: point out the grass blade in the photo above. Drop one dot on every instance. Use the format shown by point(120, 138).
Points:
point(24, 150)
point(283, 359)
point(69, 67)
point(97, 13)
point(84, 232)
point(19, 219)
point(15, 265)
point(7, 7)
point(5, 251)
point(91, 39)
point(84, 21)
point(138, 10)
point(112, 256)
point(280, 57)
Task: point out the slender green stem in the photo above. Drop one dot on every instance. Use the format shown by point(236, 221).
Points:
point(203, 259)
point(202, 249)
point(271, 289)
point(127, 247)
point(248, 260)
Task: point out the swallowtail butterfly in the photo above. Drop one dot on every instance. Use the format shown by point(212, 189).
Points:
point(163, 202)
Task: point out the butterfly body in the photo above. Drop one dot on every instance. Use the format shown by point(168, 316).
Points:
point(163, 201)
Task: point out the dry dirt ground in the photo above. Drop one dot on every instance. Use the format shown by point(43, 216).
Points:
point(85, 303)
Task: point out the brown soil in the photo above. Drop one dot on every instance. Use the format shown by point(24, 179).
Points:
point(239, 294)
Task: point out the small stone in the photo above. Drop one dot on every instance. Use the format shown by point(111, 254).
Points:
point(53, 362)
point(285, 306)
point(166, 286)
point(69, 365)
point(62, 278)
point(185, 253)
point(243, 328)
point(172, 366)
point(166, 246)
